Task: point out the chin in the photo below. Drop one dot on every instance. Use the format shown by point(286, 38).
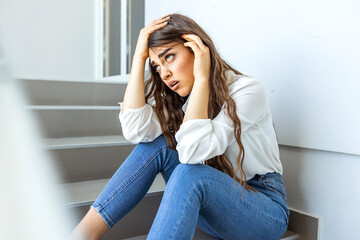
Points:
point(183, 94)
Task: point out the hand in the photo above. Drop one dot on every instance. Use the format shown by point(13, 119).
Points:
point(202, 62)
point(142, 43)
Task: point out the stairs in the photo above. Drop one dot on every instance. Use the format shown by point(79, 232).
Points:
point(81, 131)
point(288, 236)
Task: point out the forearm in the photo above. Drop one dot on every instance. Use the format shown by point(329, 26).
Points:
point(199, 99)
point(135, 90)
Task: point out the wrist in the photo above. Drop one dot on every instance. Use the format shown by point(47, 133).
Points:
point(139, 57)
point(202, 79)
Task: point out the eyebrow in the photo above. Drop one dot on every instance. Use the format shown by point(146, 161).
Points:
point(162, 54)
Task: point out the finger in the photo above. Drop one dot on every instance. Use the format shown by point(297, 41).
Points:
point(195, 38)
point(157, 26)
point(167, 15)
point(162, 19)
point(193, 46)
point(158, 22)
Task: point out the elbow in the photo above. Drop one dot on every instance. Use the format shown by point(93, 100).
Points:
point(189, 160)
point(184, 160)
point(131, 135)
point(139, 136)
point(131, 138)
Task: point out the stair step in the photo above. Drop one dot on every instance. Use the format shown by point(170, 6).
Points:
point(54, 92)
point(67, 107)
point(77, 163)
point(85, 142)
point(85, 193)
point(142, 237)
point(289, 235)
point(77, 121)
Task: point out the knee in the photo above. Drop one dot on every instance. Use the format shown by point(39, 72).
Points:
point(187, 173)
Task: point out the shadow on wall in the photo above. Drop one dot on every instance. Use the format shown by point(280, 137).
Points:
point(27, 178)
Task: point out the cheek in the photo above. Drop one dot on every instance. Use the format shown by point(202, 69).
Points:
point(187, 64)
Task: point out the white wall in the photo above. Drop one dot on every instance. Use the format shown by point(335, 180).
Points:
point(326, 185)
point(307, 55)
point(305, 52)
point(49, 39)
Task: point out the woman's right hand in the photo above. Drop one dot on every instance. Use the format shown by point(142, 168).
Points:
point(142, 43)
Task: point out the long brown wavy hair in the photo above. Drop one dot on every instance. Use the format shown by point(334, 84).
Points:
point(218, 97)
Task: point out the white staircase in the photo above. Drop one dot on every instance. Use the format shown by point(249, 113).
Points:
point(81, 130)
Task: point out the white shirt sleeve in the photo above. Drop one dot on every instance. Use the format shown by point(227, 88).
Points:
point(140, 125)
point(202, 139)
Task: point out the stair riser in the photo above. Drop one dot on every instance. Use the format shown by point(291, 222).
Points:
point(78, 123)
point(41, 92)
point(84, 164)
point(137, 222)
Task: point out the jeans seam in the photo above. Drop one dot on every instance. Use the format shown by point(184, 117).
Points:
point(255, 207)
point(129, 180)
point(103, 213)
point(182, 212)
point(108, 217)
point(197, 185)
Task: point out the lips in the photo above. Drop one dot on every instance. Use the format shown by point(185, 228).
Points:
point(173, 84)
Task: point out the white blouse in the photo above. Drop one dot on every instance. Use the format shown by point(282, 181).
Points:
point(202, 139)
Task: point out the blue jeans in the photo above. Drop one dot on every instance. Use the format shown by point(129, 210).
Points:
point(195, 195)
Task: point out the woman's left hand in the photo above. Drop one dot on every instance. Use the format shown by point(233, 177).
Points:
point(202, 62)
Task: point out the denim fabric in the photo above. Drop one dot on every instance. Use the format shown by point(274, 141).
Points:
point(195, 195)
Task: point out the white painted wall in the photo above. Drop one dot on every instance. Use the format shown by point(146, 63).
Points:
point(49, 39)
point(307, 54)
point(326, 185)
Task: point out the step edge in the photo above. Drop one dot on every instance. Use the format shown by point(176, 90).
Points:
point(85, 142)
point(158, 186)
point(70, 107)
point(294, 236)
point(111, 80)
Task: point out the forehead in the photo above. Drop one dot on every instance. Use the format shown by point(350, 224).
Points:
point(161, 48)
point(154, 52)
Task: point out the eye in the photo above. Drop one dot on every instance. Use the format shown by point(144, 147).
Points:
point(169, 57)
point(156, 68)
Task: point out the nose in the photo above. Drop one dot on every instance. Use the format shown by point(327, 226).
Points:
point(165, 73)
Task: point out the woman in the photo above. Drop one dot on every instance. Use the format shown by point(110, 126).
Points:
point(208, 130)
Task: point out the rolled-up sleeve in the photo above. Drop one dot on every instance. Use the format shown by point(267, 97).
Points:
point(202, 139)
point(140, 124)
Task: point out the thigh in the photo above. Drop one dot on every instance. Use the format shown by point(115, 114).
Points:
point(228, 214)
point(206, 228)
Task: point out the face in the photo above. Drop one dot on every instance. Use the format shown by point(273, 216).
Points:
point(175, 64)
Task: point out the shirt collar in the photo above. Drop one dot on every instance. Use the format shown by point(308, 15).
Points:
point(186, 103)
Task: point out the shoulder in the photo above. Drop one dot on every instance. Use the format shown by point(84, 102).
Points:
point(243, 84)
point(250, 97)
